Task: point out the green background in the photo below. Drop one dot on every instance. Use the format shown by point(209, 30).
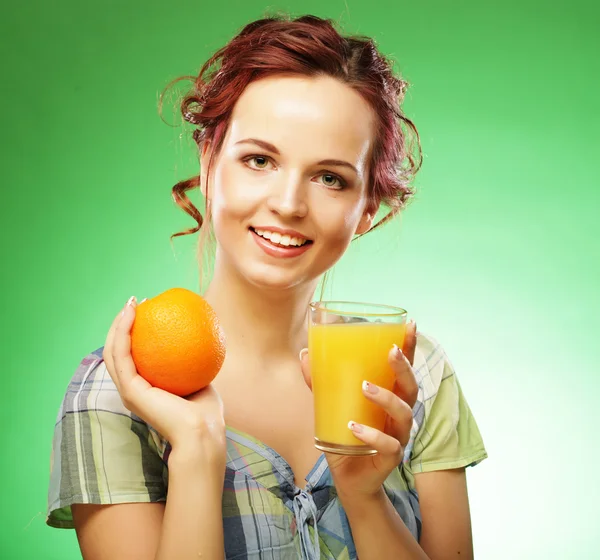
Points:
point(497, 257)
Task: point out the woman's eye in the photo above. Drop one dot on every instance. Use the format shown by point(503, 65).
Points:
point(330, 180)
point(258, 162)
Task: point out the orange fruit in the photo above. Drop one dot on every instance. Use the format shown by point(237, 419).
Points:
point(176, 342)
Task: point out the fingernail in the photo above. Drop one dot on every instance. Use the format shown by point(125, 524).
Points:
point(128, 304)
point(397, 352)
point(370, 388)
point(303, 353)
point(356, 428)
point(145, 299)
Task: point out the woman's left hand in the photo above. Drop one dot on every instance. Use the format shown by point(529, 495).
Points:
point(363, 476)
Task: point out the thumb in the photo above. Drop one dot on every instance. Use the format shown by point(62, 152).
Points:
point(305, 367)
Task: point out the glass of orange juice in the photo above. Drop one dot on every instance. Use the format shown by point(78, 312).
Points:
point(347, 344)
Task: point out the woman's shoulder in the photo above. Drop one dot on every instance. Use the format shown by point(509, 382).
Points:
point(444, 433)
point(92, 393)
point(431, 365)
point(92, 388)
point(101, 452)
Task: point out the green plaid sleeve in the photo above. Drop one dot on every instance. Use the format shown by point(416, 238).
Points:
point(448, 436)
point(101, 452)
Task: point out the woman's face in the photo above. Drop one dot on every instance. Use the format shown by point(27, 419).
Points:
point(288, 189)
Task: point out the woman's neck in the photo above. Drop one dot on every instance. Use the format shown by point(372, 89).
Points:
point(264, 326)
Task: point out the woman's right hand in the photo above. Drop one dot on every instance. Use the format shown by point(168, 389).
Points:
point(193, 424)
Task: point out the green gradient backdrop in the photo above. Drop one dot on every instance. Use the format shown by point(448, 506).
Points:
point(497, 257)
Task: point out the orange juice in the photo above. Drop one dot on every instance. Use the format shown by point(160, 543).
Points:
point(342, 356)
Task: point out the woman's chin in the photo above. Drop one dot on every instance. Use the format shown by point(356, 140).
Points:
point(278, 280)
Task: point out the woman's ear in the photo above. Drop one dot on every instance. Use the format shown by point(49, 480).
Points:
point(366, 222)
point(204, 161)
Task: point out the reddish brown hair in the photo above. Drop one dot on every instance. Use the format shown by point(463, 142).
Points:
point(308, 46)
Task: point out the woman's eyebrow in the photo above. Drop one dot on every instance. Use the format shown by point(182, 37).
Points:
point(271, 148)
point(260, 143)
point(338, 163)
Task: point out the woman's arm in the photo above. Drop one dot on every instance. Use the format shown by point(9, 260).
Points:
point(446, 532)
point(189, 525)
point(379, 533)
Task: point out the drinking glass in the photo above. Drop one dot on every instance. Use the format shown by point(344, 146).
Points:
point(349, 342)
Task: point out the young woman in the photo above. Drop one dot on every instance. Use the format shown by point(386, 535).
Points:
point(301, 139)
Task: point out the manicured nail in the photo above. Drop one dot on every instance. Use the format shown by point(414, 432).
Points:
point(397, 352)
point(370, 388)
point(356, 428)
point(303, 353)
point(128, 304)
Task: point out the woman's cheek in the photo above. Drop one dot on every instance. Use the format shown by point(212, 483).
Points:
point(339, 223)
point(228, 191)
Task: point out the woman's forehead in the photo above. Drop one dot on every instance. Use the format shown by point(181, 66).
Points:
point(316, 114)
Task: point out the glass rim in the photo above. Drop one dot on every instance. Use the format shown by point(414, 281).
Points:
point(321, 306)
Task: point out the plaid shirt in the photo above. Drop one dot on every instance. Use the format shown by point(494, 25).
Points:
point(103, 454)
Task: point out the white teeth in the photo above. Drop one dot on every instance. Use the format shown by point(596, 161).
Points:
point(285, 240)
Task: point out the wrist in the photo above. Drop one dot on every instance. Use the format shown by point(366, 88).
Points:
point(359, 502)
point(195, 459)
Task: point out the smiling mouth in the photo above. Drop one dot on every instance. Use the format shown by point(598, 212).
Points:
point(281, 241)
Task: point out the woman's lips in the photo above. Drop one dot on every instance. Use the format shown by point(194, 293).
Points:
point(279, 251)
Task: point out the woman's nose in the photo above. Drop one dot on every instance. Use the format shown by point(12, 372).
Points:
point(288, 198)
